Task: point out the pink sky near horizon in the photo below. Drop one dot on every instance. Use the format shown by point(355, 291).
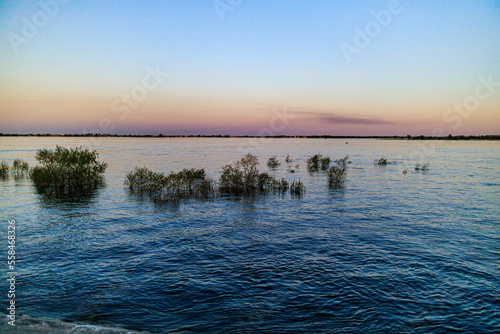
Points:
point(237, 117)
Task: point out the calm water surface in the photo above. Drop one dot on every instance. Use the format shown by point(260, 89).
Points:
point(414, 253)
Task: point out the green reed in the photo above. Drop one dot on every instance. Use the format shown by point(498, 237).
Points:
point(318, 162)
point(67, 170)
point(337, 174)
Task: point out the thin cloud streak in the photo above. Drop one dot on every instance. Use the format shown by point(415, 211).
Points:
point(339, 118)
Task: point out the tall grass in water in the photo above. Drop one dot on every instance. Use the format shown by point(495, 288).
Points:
point(4, 169)
point(273, 162)
point(240, 178)
point(66, 170)
point(318, 162)
point(268, 183)
point(297, 188)
point(243, 178)
point(343, 161)
point(20, 167)
point(188, 183)
point(383, 162)
point(337, 173)
point(423, 168)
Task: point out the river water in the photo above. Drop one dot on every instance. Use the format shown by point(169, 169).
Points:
point(391, 252)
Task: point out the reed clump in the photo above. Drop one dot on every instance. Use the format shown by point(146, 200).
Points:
point(243, 178)
point(337, 173)
point(423, 168)
point(343, 162)
point(188, 183)
point(383, 162)
point(67, 170)
point(297, 188)
point(318, 162)
point(20, 167)
point(4, 169)
point(273, 162)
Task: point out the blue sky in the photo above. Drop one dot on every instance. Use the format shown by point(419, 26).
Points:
point(229, 70)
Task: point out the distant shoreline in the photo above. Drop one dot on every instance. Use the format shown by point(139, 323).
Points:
point(408, 137)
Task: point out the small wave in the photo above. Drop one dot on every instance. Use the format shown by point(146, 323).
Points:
point(27, 325)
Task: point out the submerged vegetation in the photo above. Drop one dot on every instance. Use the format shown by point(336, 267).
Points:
point(297, 188)
point(337, 173)
point(418, 168)
point(77, 171)
point(423, 168)
point(273, 162)
point(188, 183)
point(20, 167)
point(383, 162)
point(4, 169)
point(66, 170)
point(290, 168)
point(318, 162)
point(293, 169)
point(241, 178)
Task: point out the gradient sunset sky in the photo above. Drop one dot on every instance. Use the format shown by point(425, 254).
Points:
point(232, 65)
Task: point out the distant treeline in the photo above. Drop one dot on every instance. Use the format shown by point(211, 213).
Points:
point(407, 137)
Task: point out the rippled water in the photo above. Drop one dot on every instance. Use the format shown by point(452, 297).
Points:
point(391, 252)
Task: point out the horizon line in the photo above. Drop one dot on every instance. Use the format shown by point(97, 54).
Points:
point(405, 137)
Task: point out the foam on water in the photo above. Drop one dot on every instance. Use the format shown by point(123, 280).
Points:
point(28, 325)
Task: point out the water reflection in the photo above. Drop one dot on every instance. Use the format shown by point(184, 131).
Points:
point(337, 193)
point(173, 204)
point(54, 197)
point(165, 204)
point(389, 252)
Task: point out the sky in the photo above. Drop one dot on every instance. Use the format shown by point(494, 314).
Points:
point(250, 67)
